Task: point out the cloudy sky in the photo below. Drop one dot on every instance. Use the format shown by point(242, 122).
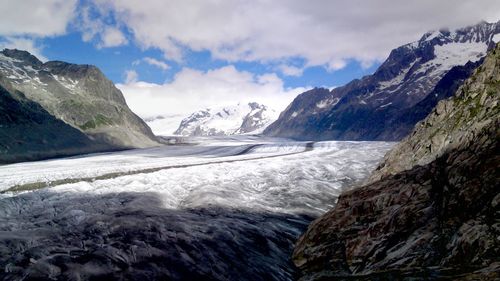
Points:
point(177, 56)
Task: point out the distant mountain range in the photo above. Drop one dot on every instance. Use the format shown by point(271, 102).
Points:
point(243, 118)
point(56, 108)
point(403, 90)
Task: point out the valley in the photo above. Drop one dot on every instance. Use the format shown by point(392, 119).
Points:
point(272, 140)
point(254, 195)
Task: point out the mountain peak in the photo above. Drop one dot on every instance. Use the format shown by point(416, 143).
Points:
point(21, 55)
point(480, 32)
point(372, 107)
point(242, 118)
point(79, 95)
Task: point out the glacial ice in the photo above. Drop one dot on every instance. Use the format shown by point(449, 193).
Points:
point(232, 212)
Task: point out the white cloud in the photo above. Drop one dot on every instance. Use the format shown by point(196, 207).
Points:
point(23, 43)
point(154, 62)
point(24, 22)
point(325, 32)
point(35, 18)
point(112, 37)
point(131, 76)
point(94, 28)
point(290, 70)
point(192, 90)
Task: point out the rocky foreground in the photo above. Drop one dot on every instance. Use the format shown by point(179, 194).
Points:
point(431, 209)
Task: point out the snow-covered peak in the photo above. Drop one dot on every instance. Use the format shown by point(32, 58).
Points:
point(414, 69)
point(482, 32)
point(243, 118)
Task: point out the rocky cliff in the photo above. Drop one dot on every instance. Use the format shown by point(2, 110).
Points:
point(382, 106)
point(80, 97)
point(431, 210)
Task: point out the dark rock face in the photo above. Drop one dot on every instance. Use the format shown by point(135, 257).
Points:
point(433, 216)
point(381, 106)
point(80, 96)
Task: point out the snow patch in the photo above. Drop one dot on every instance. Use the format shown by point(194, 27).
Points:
point(398, 79)
point(496, 38)
point(68, 83)
point(327, 102)
point(453, 54)
point(433, 35)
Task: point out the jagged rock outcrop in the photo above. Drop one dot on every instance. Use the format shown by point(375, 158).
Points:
point(381, 106)
point(79, 96)
point(432, 209)
point(243, 118)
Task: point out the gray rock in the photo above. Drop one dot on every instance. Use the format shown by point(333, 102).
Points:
point(431, 210)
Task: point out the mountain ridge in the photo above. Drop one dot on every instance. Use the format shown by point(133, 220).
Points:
point(243, 118)
point(368, 108)
point(78, 95)
point(430, 210)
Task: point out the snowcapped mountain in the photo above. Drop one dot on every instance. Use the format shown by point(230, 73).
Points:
point(230, 120)
point(378, 106)
point(67, 109)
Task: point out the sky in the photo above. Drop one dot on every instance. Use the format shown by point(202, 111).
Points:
point(179, 56)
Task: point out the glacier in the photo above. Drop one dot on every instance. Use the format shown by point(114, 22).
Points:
point(219, 208)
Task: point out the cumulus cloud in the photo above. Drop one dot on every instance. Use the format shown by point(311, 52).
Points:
point(112, 37)
point(131, 76)
point(24, 23)
point(34, 18)
point(154, 62)
point(93, 28)
point(191, 90)
point(325, 32)
point(290, 70)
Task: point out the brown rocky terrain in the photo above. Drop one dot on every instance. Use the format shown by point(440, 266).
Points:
point(431, 209)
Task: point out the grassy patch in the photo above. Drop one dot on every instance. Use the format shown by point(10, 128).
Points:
point(98, 121)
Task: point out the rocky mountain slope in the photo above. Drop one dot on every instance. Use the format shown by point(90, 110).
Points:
point(431, 211)
point(381, 106)
point(230, 120)
point(77, 98)
point(28, 132)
